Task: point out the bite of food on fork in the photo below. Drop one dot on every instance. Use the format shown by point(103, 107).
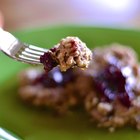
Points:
point(69, 53)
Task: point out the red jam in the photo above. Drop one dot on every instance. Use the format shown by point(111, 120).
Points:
point(47, 60)
point(55, 78)
point(112, 84)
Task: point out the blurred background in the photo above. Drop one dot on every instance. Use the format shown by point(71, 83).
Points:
point(21, 14)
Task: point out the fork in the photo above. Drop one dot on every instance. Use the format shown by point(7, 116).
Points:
point(19, 51)
point(8, 135)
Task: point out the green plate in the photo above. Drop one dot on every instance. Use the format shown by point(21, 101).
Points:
point(34, 124)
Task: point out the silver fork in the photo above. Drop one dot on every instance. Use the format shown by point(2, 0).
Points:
point(19, 51)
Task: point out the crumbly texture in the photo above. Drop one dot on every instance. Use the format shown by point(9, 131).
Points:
point(60, 99)
point(69, 53)
point(112, 114)
point(72, 52)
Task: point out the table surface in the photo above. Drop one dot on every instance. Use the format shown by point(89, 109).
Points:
point(20, 14)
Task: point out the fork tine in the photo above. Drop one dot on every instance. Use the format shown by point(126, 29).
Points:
point(29, 60)
point(29, 55)
point(33, 52)
point(37, 48)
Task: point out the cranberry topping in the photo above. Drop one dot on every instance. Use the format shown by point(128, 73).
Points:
point(53, 49)
point(47, 60)
point(55, 78)
point(73, 46)
point(112, 84)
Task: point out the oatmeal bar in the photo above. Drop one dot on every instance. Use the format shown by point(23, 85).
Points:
point(54, 90)
point(70, 52)
point(114, 99)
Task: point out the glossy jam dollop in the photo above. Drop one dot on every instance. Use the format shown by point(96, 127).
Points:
point(55, 78)
point(112, 83)
point(47, 60)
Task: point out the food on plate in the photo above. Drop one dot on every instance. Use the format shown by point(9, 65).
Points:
point(108, 90)
point(53, 90)
point(69, 53)
point(114, 100)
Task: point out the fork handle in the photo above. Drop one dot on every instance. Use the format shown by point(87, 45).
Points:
point(9, 43)
point(6, 39)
